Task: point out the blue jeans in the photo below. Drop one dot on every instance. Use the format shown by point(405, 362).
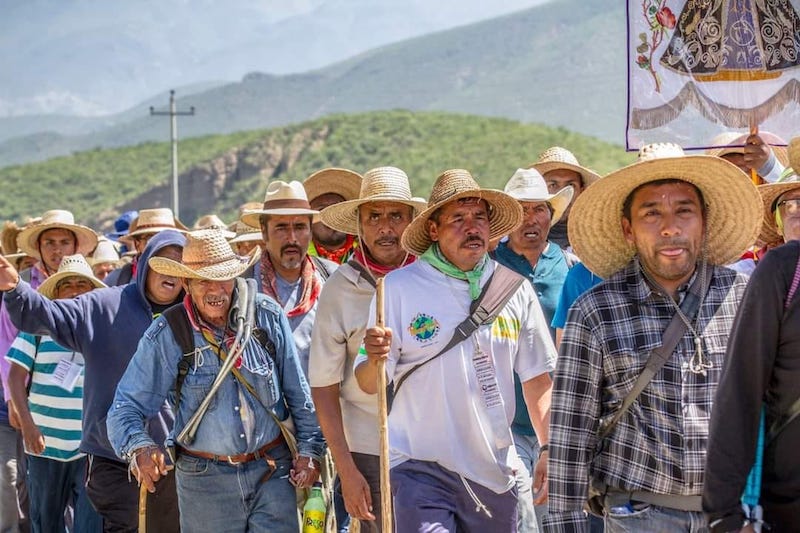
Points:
point(529, 517)
point(51, 486)
point(217, 496)
point(653, 518)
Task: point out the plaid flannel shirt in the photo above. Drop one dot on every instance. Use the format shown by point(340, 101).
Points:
point(659, 444)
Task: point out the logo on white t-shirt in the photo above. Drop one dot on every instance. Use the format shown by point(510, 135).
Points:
point(424, 328)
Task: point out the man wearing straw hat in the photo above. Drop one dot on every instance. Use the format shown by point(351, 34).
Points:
point(451, 449)
point(762, 152)
point(245, 237)
point(142, 229)
point(529, 253)
point(324, 188)
point(286, 272)
point(349, 416)
point(106, 325)
point(761, 371)
point(561, 169)
point(105, 258)
point(49, 411)
point(642, 352)
point(236, 472)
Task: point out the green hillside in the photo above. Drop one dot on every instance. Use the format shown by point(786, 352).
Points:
point(560, 64)
point(220, 172)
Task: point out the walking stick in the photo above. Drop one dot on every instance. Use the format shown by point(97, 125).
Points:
point(383, 415)
point(142, 508)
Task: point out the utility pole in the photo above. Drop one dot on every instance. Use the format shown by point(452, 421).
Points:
point(173, 133)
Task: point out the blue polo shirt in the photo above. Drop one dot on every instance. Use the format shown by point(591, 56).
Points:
point(547, 278)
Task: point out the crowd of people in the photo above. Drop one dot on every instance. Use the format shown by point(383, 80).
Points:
point(572, 353)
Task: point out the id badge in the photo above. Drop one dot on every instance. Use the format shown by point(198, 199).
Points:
point(66, 375)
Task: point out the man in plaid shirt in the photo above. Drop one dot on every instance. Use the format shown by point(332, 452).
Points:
point(649, 229)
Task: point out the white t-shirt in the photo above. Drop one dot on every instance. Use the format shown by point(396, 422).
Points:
point(438, 414)
point(341, 320)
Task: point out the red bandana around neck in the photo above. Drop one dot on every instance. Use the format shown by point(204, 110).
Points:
point(311, 284)
point(375, 268)
point(339, 255)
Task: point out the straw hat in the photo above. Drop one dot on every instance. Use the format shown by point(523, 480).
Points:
point(732, 142)
point(382, 184)
point(733, 215)
point(28, 238)
point(105, 252)
point(281, 199)
point(242, 231)
point(206, 255)
point(345, 183)
point(527, 185)
point(70, 266)
point(213, 222)
point(557, 158)
point(770, 192)
point(152, 221)
point(505, 213)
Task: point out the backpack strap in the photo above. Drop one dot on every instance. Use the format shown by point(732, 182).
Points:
point(178, 322)
point(358, 267)
point(324, 273)
point(499, 289)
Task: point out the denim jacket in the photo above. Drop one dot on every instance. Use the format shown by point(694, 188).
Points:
point(280, 384)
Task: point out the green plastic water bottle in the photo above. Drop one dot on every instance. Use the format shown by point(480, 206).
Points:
point(314, 511)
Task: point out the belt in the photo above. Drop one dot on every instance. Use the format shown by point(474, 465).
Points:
point(616, 497)
point(236, 459)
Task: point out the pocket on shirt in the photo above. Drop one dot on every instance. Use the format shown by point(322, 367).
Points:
point(195, 389)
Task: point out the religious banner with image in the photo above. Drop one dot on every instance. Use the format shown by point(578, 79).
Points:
point(698, 68)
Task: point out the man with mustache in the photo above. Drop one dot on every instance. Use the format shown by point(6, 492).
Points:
point(348, 416)
point(657, 232)
point(105, 325)
point(452, 454)
point(325, 188)
point(286, 272)
point(529, 253)
point(237, 472)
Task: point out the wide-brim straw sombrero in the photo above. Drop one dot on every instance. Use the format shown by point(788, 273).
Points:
point(152, 221)
point(71, 266)
point(346, 183)
point(213, 222)
point(505, 213)
point(281, 199)
point(557, 158)
point(206, 255)
point(382, 184)
point(28, 237)
point(732, 142)
point(733, 215)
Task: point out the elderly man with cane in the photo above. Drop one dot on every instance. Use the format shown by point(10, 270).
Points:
point(226, 359)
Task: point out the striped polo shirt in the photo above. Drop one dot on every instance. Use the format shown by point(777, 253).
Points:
point(55, 410)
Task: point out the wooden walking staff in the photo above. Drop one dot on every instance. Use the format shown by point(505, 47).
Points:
point(383, 417)
point(142, 508)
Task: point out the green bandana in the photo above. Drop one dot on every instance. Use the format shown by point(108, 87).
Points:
point(433, 256)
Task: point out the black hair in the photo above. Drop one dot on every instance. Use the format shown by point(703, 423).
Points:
point(626, 206)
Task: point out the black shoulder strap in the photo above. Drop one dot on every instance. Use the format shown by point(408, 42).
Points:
point(358, 267)
point(37, 340)
point(178, 322)
point(126, 274)
point(321, 268)
point(659, 356)
point(498, 290)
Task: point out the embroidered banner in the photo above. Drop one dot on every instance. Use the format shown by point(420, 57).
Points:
point(698, 68)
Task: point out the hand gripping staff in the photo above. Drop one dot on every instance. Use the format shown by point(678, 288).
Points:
point(383, 416)
point(243, 311)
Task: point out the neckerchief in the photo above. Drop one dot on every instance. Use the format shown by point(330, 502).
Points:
point(433, 255)
point(311, 284)
point(377, 269)
point(339, 255)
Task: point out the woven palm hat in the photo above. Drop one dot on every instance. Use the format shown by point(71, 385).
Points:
point(281, 199)
point(382, 184)
point(70, 266)
point(346, 183)
point(242, 231)
point(213, 222)
point(732, 142)
point(206, 255)
point(771, 192)
point(105, 252)
point(527, 185)
point(733, 207)
point(152, 221)
point(28, 237)
point(505, 213)
point(557, 158)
